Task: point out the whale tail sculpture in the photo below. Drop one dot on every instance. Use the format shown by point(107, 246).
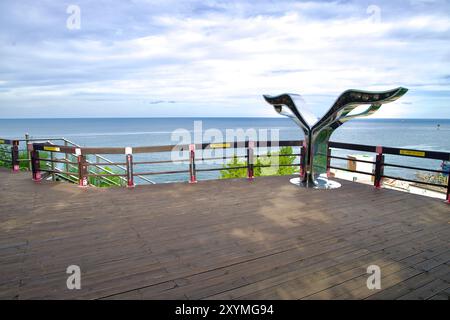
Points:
point(318, 131)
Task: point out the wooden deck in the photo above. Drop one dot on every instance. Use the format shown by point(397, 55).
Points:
point(220, 239)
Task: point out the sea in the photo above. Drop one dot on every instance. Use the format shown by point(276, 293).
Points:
point(421, 134)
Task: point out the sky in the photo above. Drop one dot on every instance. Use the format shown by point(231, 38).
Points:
point(145, 58)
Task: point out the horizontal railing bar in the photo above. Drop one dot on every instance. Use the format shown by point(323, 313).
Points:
point(166, 148)
point(159, 161)
point(217, 169)
point(221, 158)
point(424, 154)
point(276, 165)
point(57, 161)
point(92, 164)
point(57, 171)
point(355, 171)
point(230, 168)
point(417, 153)
point(356, 160)
point(159, 172)
point(415, 181)
point(277, 155)
point(99, 175)
point(351, 146)
point(413, 168)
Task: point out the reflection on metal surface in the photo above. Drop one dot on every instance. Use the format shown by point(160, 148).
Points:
point(318, 131)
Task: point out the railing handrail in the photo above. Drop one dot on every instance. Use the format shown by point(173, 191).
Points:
point(378, 173)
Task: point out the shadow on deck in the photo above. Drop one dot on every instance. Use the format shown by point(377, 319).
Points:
point(220, 239)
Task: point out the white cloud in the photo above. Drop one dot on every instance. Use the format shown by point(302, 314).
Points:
point(219, 54)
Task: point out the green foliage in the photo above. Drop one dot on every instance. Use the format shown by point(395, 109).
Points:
point(230, 173)
point(285, 160)
point(5, 158)
point(264, 165)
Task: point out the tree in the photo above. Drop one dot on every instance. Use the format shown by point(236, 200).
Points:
point(263, 165)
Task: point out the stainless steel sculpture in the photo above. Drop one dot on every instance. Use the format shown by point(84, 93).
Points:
point(318, 131)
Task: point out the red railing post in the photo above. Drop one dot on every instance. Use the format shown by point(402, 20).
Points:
point(35, 163)
point(379, 167)
point(192, 173)
point(250, 160)
point(129, 159)
point(83, 180)
point(15, 156)
point(328, 161)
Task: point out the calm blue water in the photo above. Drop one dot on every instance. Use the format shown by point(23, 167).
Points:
point(407, 133)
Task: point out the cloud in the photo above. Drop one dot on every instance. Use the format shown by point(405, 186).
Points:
point(218, 57)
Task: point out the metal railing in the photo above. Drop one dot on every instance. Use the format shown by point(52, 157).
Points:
point(10, 157)
point(79, 169)
point(85, 176)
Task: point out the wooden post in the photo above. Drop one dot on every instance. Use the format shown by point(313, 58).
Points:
point(15, 156)
point(129, 160)
point(83, 180)
point(379, 167)
point(250, 160)
point(27, 137)
point(35, 163)
point(192, 172)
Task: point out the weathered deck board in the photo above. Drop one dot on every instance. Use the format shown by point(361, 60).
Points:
point(220, 240)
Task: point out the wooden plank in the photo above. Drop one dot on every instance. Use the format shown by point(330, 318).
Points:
point(219, 239)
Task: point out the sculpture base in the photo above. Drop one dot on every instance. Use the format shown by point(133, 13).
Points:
point(319, 183)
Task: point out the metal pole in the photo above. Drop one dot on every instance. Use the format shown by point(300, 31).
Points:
point(35, 163)
point(66, 157)
point(379, 167)
point(15, 156)
point(328, 161)
point(250, 160)
point(192, 173)
point(27, 137)
point(302, 161)
point(448, 189)
point(83, 180)
point(129, 159)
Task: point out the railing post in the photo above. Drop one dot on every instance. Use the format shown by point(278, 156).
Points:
point(27, 137)
point(15, 156)
point(52, 165)
point(250, 160)
point(66, 157)
point(379, 167)
point(328, 161)
point(448, 189)
point(129, 160)
point(302, 161)
point(192, 172)
point(83, 180)
point(35, 163)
